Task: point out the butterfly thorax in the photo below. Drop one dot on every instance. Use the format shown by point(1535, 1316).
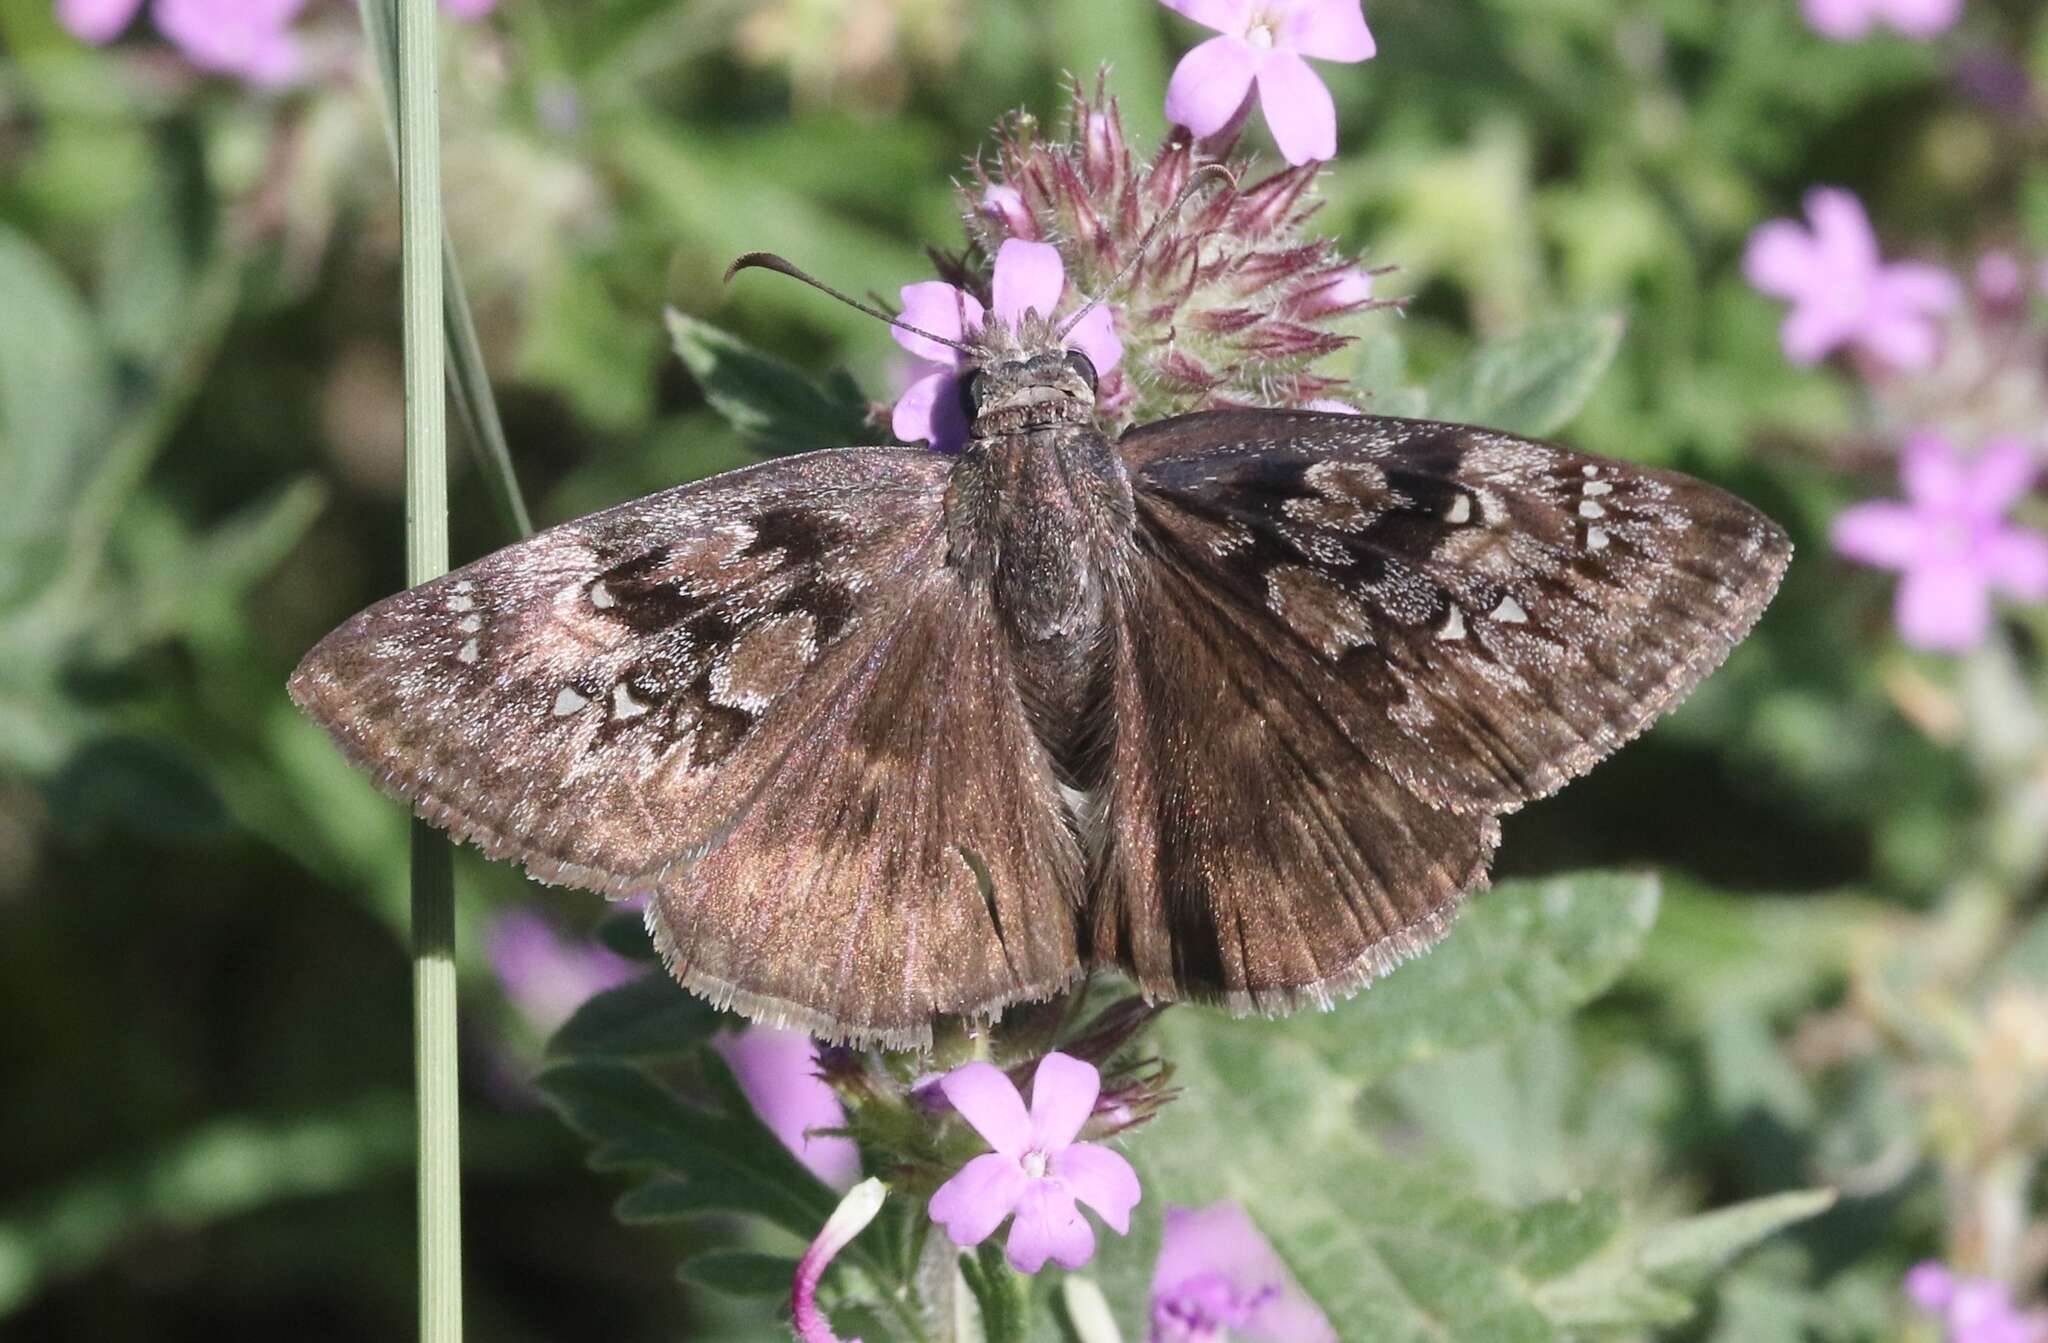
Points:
point(1039, 510)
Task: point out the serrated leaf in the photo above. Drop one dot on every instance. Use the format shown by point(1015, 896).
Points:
point(1557, 1235)
point(740, 1272)
point(1524, 952)
point(637, 1124)
point(768, 401)
point(1531, 383)
point(644, 1018)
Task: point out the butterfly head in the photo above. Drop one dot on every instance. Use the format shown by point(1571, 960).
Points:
point(1029, 381)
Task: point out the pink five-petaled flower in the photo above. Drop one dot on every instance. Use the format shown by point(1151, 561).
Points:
point(1263, 43)
point(1847, 20)
point(778, 1071)
point(1951, 540)
point(1972, 1310)
point(1841, 291)
point(546, 975)
point(1037, 1170)
point(1029, 277)
point(1217, 1275)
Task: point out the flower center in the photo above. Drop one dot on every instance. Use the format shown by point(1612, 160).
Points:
point(1034, 1164)
point(1260, 34)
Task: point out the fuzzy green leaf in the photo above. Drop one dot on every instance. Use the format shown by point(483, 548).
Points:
point(1531, 383)
point(648, 1017)
point(766, 400)
point(740, 1272)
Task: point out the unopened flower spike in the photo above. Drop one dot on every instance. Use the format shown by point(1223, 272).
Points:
point(848, 1220)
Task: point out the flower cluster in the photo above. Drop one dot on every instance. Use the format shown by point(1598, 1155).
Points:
point(1232, 302)
point(1260, 49)
point(248, 39)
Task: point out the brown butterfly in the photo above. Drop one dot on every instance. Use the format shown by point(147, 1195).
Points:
point(1231, 704)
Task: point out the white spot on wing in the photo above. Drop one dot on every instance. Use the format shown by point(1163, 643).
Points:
point(1510, 612)
point(469, 652)
point(1461, 510)
point(623, 703)
point(568, 702)
point(1589, 509)
point(1453, 626)
point(470, 624)
point(1596, 538)
point(1595, 488)
point(1590, 471)
point(601, 596)
point(460, 603)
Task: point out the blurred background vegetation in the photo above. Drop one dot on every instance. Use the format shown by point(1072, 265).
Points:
point(205, 1059)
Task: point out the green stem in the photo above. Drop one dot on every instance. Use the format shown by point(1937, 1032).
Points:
point(426, 557)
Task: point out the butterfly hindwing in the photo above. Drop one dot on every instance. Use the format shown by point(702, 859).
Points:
point(615, 702)
point(1348, 643)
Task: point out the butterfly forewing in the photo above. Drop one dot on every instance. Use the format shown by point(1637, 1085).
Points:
point(1485, 616)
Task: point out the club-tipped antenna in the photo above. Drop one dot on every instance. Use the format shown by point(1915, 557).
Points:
point(783, 266)
point(1200, 178)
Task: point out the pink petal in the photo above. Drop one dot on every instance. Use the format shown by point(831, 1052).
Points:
point(1006, 203)
point(1063, 1093)
point(1095, 336)
point(1944, 608)
point(1298, 109)
point(1841, 20)
point(975, 1201)
point(1903, 340)
point(1918, 287)
point(2016, 562)
point(1210, 83)
point(1934, 473)
point(929, 411)
point(1779, 259)
point(1330, 405)
point(1102, 1179)
point(1929, 1285)
point(987, 1100)
point(469, 9)
point(1812, 331)
point(1921, 18)
point(1049, 1226)
point(1998, 477)
point(1225, 16)
point(1843, 239)
point(1329, 30)
point(97, 21)
point(943, 310)
point(248, 38)
point(1891, 536)
point(778, 1071)
point(1029, 277)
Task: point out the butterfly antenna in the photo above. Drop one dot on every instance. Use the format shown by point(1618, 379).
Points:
point(1200, 178)
point(781, 266)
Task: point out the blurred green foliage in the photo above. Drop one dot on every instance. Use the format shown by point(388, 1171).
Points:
point(201, 906)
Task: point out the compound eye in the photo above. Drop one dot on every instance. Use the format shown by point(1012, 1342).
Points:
point(969, 387)
point(1081, 364)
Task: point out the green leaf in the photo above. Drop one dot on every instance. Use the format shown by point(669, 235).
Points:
point(740, 1272)
point(1524, 952)
point(645, 1018)
point(765, 399)
point(1695, 1245)
point(1532, 383)
point(638, 1124)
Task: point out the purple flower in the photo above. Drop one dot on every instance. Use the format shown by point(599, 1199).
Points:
point(1263, 43)
point(1037, 1170)
point(1216, 1274)
point(1029, 277)
point(848, 1220)
point(778, 1071)
point(249, 39)
point(1847, 20)
point(1841, 291)
point(1972, 1310)
point(1951, 540)
point(546, 975)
